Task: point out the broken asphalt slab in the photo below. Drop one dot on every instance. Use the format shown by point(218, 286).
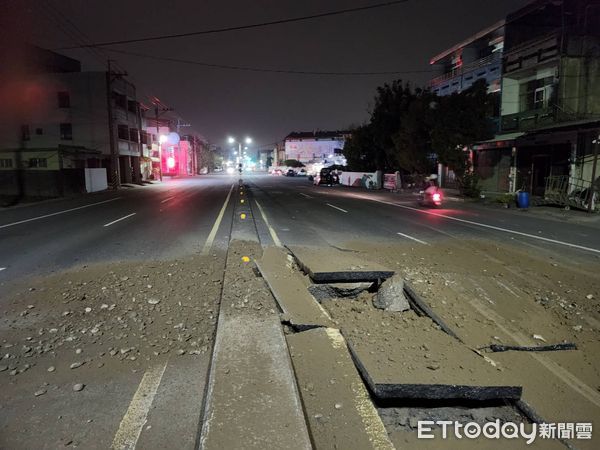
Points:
point(426, 363)
point(299, 307)
point(329, 265)
point(338, 408)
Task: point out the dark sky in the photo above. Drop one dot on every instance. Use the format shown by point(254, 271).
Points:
point(265, 106)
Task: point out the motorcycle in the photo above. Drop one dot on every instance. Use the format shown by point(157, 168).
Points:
point(431, 197)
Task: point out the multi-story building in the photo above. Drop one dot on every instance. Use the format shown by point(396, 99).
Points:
point(316, 146)
point(550, 105)
point(60, 125)
point(479, 57)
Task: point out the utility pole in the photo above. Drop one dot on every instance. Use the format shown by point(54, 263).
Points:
point(157, 110)
point(114, 157)
point(595, 143)
point(181, 125)
point(192, 142)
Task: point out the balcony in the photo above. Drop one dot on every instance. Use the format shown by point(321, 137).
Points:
point(494, 58)
point(531, 55)
point(527, 120)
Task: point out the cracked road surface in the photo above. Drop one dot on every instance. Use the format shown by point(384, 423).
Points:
point(124, 287)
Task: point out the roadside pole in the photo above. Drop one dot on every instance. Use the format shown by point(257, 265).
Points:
point(596, 143)
point(114, 158)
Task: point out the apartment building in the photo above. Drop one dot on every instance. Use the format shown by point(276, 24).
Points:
point(57, 124)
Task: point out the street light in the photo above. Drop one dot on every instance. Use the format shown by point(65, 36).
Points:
point(232, 140)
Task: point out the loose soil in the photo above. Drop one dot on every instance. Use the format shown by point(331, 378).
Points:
point(94, 324)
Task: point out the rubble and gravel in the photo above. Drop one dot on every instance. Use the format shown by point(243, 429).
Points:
point(73, 331)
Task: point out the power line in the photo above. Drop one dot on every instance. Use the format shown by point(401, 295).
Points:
point(73, 32)
point(262, 69)
point(243, 27)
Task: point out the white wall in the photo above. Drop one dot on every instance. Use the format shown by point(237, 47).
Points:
point(95, 180)
point(306, 150)
point(354, 179)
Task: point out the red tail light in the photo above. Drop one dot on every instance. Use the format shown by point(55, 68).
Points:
point(437, 197)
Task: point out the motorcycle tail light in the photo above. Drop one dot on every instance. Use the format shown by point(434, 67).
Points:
point(437, 197)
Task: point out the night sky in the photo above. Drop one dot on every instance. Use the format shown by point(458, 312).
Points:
point(266, 106)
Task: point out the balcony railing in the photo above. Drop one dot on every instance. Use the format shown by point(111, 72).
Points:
point(527, 120)
point(481, 62)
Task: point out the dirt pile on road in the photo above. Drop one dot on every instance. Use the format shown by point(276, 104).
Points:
point(106, 318)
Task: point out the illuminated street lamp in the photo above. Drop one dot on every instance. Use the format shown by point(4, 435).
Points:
point(232, 140)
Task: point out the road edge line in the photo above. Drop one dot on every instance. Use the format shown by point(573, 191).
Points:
point(213, 232)
point(134, 419)
point(58, 212)
point(272, 232)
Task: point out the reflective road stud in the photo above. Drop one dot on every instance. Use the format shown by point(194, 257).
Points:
point(245, 259)
point(242, 216)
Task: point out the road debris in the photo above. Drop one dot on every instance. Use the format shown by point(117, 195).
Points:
point(541, 348)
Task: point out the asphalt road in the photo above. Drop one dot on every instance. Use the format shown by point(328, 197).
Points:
point(182, 217)
point(175, 218)
point(160, 221)
point(303, 214)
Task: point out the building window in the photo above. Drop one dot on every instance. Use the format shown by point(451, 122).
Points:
point(64, 99)
point(132, 106)
point(66, 131)
point(536, 94)
point(144, 137)
point(120, 100)
point(39, 131)
point(6, 163)
point(25, 135)
point(38, 162)
point(123, 132)
point(133, 135)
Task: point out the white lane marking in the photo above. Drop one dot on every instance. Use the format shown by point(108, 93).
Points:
point(118, 220)
point(57, 213)
point(305, 195)
point(271, 230)
point(413, 238)
point(333, 206)
point(2, 268)
point(483, 225)
point(167, 199)
point(567, 377)
point(134, 419)
point(217, 224)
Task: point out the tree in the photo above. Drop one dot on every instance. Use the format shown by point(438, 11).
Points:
point(412, 141)
point(461, 120)
point(360, 150)
point(391, 102)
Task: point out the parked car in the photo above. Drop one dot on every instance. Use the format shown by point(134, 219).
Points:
point(327, 177)
point(277, 172)
point(290, 173)
point(301, 173)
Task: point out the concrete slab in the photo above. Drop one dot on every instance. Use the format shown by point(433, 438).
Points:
point(297, 304)
point(426, 363)
point(339, 411)
point(329, 265)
